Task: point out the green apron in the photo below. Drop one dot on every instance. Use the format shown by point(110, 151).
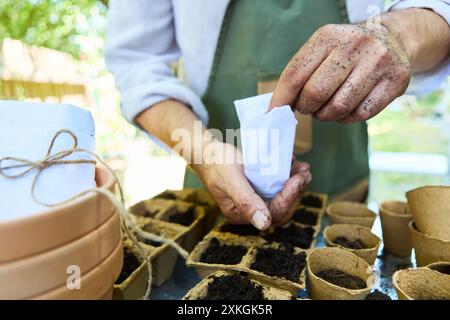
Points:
point(257, 40)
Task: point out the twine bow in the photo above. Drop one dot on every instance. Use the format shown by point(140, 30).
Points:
point(128, 223)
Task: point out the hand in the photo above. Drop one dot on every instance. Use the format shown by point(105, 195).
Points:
point(346, 73)
point(238, 200)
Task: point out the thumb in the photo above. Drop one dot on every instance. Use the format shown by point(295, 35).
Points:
point(251, 206)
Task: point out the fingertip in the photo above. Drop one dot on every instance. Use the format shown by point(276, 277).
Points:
point(261, 219)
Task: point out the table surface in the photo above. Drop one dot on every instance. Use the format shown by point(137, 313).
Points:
point(185, 278)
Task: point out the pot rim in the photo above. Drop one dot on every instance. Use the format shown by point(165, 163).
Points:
point(369, 213)
point(377, 246)
point(427, 187)
point(413, 228)
point(108, 184)
point(392, 213)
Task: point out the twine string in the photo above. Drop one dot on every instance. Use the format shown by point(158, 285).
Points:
point(128, 221)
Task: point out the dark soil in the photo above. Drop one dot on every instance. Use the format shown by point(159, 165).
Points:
point(233, 287)
point(342, 279)
point(305, 216)
point(183, 218)
point(280, 263)
point(241, 230)
point(292, 236)
point(130, 263)
point(217, 253)
point(312, 201)
point(355, 244)
point(377, 295)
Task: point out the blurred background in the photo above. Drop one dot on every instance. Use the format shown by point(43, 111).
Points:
point(52, 51)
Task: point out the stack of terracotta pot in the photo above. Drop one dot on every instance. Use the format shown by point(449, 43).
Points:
point(71, 252)
point(430, 228)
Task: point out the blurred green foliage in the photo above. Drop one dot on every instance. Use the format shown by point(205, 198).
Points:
point(57, 24)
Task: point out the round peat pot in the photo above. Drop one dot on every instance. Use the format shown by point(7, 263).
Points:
point(39, 233)
point(421, 284)
point(323, 259)
point(395, 219)
point(357, 236)
point(428, 249)
point(345, 212)
point(430, 208)
point(442, 267)
point(40, 273)
point(94, 285)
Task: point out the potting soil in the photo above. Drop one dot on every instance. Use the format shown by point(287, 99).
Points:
point(305, 216)
point(346, 243)
point(217, 253)
point(292, 235)
point(183, 218)
point(312, 201)
point(342, 279)
point(241, 230)
point(377, 295)
point(233, 287)
point(130, 263)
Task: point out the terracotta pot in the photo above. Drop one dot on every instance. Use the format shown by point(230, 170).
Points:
point(51, 229)
point(428, 249)
point(345, 212)
point(34, 275)
point(394, 222)
point(94, 284)
point(342, 260)
point(354, 232)
point(421, 284)
point(430, 208)
point(442, 267)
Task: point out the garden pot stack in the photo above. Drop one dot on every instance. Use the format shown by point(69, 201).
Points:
point(47, 251)
point(430, 228)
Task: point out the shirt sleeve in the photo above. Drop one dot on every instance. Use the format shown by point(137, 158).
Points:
point(140, 51)
point(426, 82)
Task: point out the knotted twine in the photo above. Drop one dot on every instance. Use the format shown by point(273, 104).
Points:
point(128, 221)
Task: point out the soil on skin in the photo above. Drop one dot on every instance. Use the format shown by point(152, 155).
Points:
point(312, 201)
point(292, 236)
point(342, 279)
point(355, 244)
point(130, 263)
point(305, 216)
point(217, 253)
point(377, 295)
point(233, 287)
point(280, 263)
point(183, 218)
point(241, 230)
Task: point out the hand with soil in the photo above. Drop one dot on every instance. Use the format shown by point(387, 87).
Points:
point(350, 73)
point(238, 200)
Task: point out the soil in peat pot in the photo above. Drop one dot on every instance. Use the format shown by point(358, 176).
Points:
point(183, 218)
point(292, 236)
point(280, 263)
point(377, 295)
point(130, 263)
point(312, 201)
point(342, 279)
point(240, 230)
point(355, 244)
point(217, 253)
point(233, 287)
point(305, 216)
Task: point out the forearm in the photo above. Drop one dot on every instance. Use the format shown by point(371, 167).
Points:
point(424, 34)
point(170, 121)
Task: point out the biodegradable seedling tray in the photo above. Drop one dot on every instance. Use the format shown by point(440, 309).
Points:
point(200, 291)
point(422, 284)
point(359, 235)
point(245, 253)
point(134, 286)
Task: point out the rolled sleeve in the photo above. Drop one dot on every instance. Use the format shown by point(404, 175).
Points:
point(140, 51)
point(426, 82)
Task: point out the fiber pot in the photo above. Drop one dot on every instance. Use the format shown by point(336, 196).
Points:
point(428, 249)
point(422, 284)
point(430, 208)
point(339, 259)
point(34, 275)
point(345, 212)
point(39, 233)
point(395, 219)
point(352, 233)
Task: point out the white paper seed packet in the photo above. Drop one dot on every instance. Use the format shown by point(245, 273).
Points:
point(26, 130)
point(267, 140)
